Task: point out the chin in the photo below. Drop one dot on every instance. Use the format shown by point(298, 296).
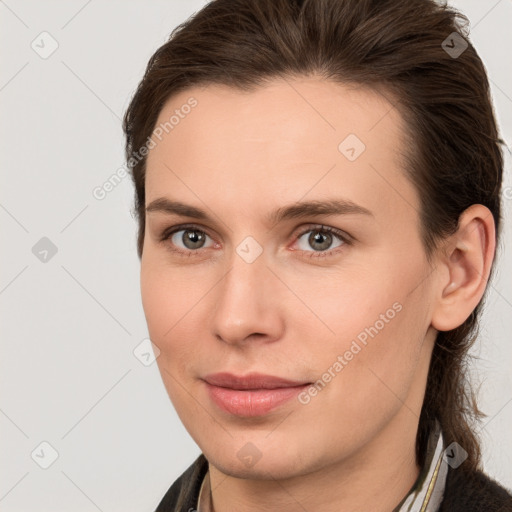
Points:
point(262, 470)
point(260, 460)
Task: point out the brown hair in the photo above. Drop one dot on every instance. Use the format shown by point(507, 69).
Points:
point(453, 153)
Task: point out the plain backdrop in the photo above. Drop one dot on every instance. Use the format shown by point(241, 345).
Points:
point(75, 397)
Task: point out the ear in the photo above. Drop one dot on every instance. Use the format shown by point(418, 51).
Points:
point(464, 267)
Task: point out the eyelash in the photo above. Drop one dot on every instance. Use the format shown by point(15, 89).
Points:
point(342, 236)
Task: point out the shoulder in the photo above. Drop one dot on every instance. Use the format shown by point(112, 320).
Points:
point(183, 493)
point(474, 491)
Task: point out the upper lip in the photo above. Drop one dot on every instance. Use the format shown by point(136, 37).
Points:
point(251, 381)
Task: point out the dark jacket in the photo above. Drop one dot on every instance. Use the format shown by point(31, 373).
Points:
point(464, 491)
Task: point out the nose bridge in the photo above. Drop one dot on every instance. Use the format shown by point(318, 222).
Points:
point(245, 299)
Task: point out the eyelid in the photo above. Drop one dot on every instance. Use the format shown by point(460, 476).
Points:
point(167, 233)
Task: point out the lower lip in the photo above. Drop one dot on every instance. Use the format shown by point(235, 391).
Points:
point(254, 402)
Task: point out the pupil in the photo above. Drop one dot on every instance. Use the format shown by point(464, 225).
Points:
point(317, 236)
point(193, 237)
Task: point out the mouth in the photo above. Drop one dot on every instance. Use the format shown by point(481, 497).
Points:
point(251, 395)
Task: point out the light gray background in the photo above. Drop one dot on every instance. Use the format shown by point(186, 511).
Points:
point(69, 325)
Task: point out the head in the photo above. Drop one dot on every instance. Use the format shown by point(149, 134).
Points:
point(254, 106)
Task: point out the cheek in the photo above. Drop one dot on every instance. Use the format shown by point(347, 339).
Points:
point(167, 295)
point(364, 380)
point(157, 301)
point(382, 358)
point(167, 300)
point(338, 307)
point(377, 317)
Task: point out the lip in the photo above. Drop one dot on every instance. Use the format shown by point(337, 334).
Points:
point(251, 395)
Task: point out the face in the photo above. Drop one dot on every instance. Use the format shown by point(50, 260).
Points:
point(333, 296)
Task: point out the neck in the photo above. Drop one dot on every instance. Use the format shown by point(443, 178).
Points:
point(375, 478)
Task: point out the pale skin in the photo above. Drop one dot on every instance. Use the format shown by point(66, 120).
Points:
point(290, 313)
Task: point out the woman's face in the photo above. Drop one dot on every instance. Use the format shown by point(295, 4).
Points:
point(252, 287)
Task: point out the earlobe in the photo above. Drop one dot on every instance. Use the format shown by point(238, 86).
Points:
point(465, 267)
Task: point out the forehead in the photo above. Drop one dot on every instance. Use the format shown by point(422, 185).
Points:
point(291, 136)
point(287, 107)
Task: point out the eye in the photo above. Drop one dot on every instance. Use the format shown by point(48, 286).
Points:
point(186, 239)
point(321, 239)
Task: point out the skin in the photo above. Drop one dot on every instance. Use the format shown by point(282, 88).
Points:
point(290, 313)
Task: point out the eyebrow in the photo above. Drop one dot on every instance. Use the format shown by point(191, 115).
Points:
point(292, 211)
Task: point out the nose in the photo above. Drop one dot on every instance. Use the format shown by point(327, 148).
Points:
point(248, 304)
